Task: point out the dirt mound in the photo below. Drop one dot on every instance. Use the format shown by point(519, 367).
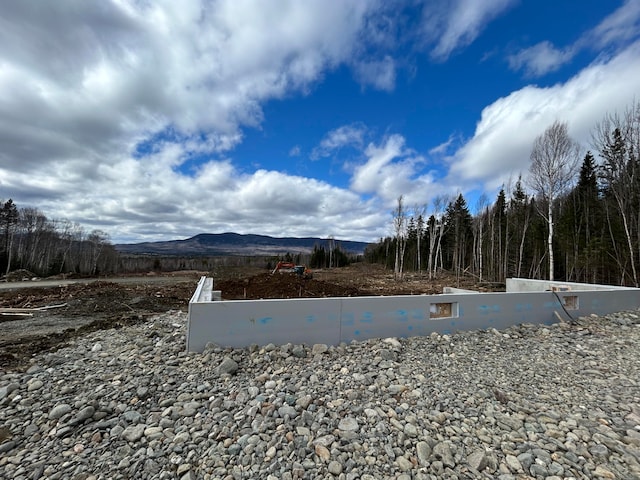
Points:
point(20, 275)
point(102, 297)
point(283, 285)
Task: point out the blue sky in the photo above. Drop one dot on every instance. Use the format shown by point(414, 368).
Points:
point(161, 120)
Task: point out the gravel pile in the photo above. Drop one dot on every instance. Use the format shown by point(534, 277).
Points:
point(542, 402)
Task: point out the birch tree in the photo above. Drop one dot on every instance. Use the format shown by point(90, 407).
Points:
point(400, 227)
point(97, 240)
point(618, 142)
point(479, 221)
point(420, 212)
point(554, 161)
point(435, 227)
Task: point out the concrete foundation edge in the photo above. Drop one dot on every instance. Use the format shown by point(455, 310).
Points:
point(240, 323)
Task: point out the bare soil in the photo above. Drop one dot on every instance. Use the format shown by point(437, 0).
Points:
point(73, 309)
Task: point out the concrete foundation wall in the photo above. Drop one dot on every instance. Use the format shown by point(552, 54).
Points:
point(240, 323)
point(527, 285)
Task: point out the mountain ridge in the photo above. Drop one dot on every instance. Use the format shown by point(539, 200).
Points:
point(230, 243)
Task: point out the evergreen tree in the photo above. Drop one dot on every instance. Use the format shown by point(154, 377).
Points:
point(590, 220)
point(8, 222)
point(498, 236)
point(519, 216)
point(459, 234)
point(620, 174)
point(318, 257)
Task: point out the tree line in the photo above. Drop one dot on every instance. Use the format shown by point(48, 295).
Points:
point(44, 247)
point(31, 241)
point(572, 217)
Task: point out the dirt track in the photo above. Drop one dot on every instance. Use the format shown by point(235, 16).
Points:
point(147, 279)
point(81, 306)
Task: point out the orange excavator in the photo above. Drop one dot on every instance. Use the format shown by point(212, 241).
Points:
point(290, 267)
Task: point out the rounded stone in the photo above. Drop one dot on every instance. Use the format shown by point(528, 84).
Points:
point(59, 411)
point(348, 424)
point(335, 468)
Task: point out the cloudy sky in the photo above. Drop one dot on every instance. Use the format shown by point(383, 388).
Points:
point(160, 120)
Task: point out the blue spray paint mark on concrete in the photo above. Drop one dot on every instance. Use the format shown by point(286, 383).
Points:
point(356, 332)
point(402, 315)
point(524, 307)
point(265, 320)
point(367, 317)
point(311, 318)
point(348, 319)
point(487, 309)
point(410, 327)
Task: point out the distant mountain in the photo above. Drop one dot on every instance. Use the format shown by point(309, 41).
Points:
point(213, 244)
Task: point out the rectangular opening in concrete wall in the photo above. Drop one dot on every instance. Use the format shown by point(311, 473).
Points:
point(560, 288)
point(443, 310)
point(570, 302)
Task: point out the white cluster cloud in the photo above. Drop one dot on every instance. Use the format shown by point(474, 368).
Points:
point(622, 26)
point(616, 30)
point(540, 59)
point(107, 109)
point(390, 170)
point(84, 86)
point(381, 74)
point(352, 135)
point(501, 144)
point(96, 75)
point(449, 26)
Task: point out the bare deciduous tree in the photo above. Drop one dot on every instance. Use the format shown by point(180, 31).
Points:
point(97, 240)
point(482, 209)
point(617, 139)
point(400, 229)
point(554, 162)
point(420, 212)
point(436, 226)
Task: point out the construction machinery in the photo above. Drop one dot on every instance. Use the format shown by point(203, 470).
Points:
point(290, 267)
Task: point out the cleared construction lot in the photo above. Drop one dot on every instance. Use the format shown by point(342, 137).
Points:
point(85, 305)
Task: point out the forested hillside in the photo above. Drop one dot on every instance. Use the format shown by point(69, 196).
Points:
point(573, 217)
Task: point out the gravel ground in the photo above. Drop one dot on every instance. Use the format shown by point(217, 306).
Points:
point(542, 402)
